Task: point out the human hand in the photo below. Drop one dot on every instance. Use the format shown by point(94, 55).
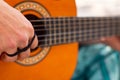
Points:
point(15, 32)
point(113, 41)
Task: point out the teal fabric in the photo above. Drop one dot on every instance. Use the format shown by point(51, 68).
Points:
point(97, 62)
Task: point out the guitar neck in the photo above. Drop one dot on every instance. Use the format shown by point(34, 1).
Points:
point(61, 30)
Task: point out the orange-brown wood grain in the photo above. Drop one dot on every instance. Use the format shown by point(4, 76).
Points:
point(61, 61)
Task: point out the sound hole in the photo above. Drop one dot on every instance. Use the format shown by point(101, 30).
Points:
point(38, 26)
point(31, 17)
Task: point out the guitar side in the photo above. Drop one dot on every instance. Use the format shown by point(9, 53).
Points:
point(61, 60)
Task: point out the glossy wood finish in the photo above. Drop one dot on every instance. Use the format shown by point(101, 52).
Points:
point(61, 61)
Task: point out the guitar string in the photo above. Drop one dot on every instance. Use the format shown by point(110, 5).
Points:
point(78, 23)
point(73, 32)
point(103, 33)
point(64, 23)
point(76, 28)
point(80, 34)
point(92, 29)
point(76, 18)
point(68, 26)
point(79, 38)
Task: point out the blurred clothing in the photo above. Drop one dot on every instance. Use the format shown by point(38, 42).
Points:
point(97, 61)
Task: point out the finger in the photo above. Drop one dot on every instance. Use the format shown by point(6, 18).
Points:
point(35, 43)
point(1, 50)
point(24, 55)
point(114, 42)
point(109, 40)
point(6, 58)
point(11, 50)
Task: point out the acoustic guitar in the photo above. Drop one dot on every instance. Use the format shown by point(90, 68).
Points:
point(59, 33)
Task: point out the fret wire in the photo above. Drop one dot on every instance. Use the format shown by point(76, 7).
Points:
point(88, 26)
point(79, 40)
point(96, 27)
point(80, 37)
point(93, 27)
point(90, 35)
point(88, 23)
point(85, 18)
point(96, 35)
point(50, 32)
point(64, 30)
point(74, 23)
point(69, 30)
point(54, 37)
point(45, 37)
point(59, 29)
point(69, 26)
point(45, 19)
point(75, 41)
point(85, 34)
point(79, 28)
point(90, 30)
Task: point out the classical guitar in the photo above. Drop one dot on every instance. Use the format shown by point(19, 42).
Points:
point(59, 32)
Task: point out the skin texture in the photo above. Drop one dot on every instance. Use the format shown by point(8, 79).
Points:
point(15, 32)
point(113, 41)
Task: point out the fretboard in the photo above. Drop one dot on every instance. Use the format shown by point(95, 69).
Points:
point(61, 30)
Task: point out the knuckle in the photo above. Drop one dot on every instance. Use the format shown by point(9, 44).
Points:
point(30, 28)
point(103, 39)
point(29, 25)
point(12, 44)
point(35, 43)
point(23, 39)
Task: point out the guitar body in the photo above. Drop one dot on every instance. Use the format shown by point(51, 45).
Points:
point(50, 63)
